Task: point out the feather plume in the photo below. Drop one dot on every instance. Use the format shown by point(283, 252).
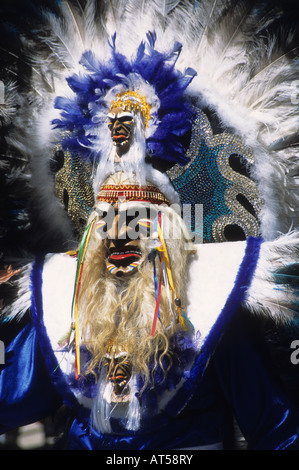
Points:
point(22, 298)
point(274, 292)
point(244, 52)
point(90, 24)
point(8, 102)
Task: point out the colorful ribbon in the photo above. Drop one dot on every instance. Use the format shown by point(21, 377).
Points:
point(78, 279)
point(158, 300)
point(161, 247)
point(168, 279)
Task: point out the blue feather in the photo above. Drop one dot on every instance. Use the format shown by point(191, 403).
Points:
point(90, 62)
point(140, 53)
point(151, 38)
point(156, 68)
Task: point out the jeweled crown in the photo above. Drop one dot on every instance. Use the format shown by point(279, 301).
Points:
point(133, 100)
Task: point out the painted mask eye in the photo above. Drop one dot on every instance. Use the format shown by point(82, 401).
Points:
point(101, 228)
point(145, 227)
point(127, 120)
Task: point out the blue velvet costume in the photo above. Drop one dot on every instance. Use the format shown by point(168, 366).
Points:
point(228, 375)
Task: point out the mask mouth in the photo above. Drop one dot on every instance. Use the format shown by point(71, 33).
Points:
point(124, 256)
point(119, 373)
point(120, 139)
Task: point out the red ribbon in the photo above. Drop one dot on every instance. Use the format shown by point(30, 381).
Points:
point(159, 287)
point(158, 300)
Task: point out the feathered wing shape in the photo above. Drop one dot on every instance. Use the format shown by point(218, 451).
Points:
point(247, 65)
point(245, 57)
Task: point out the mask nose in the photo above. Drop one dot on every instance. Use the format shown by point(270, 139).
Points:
point(116, 127)
point(117, 230)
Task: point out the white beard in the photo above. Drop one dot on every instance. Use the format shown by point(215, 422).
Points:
point(104, 408)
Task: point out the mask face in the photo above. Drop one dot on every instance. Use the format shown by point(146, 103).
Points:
point(119, 371)
point(122, 231)
point(121, 125)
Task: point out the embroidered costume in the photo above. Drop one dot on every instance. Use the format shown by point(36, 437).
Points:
point(165, 189)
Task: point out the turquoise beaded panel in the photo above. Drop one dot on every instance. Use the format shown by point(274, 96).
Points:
point(229, 199)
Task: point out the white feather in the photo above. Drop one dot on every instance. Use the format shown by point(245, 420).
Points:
point(246, 80)
point(265, 297)
point(22, 302)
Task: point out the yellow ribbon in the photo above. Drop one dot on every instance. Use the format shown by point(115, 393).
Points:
point(81, 256)
point(166, 258)
point(163, 249)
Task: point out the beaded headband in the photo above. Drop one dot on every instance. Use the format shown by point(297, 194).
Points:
point(131, 192)
point(132, 100)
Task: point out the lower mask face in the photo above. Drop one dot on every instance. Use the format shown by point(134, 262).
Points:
point(119, 371)
point(122, 244)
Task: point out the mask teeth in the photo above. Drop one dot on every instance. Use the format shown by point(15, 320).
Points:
point(133, 266)
point(111, 268)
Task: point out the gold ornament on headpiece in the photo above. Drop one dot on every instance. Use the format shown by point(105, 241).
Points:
point(131, 192)
point(133, 100)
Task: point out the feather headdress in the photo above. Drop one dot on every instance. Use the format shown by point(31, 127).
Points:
point(242, 81)
point(150, 73)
